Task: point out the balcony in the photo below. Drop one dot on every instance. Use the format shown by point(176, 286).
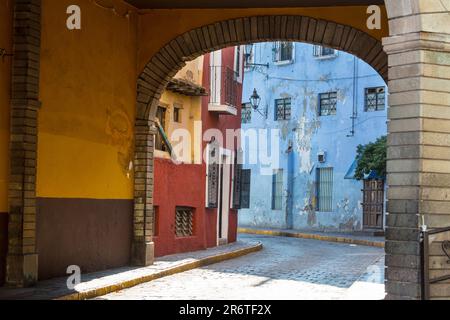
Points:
point(224, 97)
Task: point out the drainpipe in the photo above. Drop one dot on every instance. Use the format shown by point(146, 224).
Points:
point(355, 97)
point(290, 188)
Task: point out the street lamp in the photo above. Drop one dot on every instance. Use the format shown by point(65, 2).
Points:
point(255, 100)
point(248, 54)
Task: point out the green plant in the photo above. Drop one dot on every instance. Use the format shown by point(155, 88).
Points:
point(371, 156)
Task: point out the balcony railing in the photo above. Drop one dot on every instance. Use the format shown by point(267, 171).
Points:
point(224, 90)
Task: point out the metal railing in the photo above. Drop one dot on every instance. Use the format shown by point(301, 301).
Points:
point(224, 86)
point(433, 237)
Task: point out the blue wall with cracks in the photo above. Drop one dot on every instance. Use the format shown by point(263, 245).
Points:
point(307, 133)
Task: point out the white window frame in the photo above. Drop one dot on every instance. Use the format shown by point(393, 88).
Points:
point(285, 62)
point(321, 56)
point(216, 77)
point(241, 62)
point(251, 60)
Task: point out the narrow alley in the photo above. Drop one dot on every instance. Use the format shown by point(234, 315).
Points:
point(286, 268)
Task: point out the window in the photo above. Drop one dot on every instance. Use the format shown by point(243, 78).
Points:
point(324, 189)
point(245, 188)
point(237, 62)
point(283, 109)
point(283, 51)
point(161, 117)
point(277, 189)
point(177, 113)
point(213, 176)
point(184, 222)
point(249, 57)
point(327, 103)
point(375, 99)
point(321, 51)
point(241, 188)
point(246, 113)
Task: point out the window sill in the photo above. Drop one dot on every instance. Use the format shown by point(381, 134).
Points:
point(329, 57)
point(327, 115)
point(185, 238)
point(283, 63)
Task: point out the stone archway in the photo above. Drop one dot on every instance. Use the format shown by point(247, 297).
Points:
point(172, 57)
point(419, 151)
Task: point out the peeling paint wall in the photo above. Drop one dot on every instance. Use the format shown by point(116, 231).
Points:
point(308, 134)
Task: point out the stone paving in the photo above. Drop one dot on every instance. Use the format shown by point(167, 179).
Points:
point(57, 288)
point(286, 268)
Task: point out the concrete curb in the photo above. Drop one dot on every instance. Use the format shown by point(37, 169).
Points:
point(362, 242)
point(92, 293)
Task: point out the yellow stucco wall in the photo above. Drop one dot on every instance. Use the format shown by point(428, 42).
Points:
point(88, 94)
point(191, 107)
point(5, 85)
point(88, 88)
point(158, 27)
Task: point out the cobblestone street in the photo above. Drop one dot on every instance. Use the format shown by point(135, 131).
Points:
point(287, 268)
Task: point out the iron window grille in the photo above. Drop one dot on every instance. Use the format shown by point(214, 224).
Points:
point(246, 113)
point(324, 189)
point(328, 103)
point(375, 99)
point(283, 109)
point(283, 51)
point(213, 176)
point(225, 91)
point(245, 189)
point(277, 189)
point(184, 222)
point(321, 51)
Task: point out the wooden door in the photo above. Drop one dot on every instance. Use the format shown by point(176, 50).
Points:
point(373, 204)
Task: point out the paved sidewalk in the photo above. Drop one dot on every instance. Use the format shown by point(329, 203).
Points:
point(339, 237)
point(104, 282)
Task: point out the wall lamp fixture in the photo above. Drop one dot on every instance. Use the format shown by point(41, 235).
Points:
point(255, 100)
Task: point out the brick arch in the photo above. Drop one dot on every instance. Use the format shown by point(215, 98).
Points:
point(172, 57)
point(188, 46)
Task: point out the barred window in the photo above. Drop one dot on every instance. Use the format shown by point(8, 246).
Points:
point(277, 189)
point(324, 189)
point(283, 109)
point(327, 103)
point(321, 51)
point(184, 222)
point(283, 51)
point(246, 113)
point(375, 99)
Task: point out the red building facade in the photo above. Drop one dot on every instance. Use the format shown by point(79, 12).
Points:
point(194, 201)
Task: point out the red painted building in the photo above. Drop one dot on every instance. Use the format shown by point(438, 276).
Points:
point(195, 200)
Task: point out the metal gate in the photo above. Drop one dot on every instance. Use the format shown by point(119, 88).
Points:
point(435, 262)
point(373, 204)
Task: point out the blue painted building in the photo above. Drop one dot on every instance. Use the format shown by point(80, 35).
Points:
point(324, 103)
